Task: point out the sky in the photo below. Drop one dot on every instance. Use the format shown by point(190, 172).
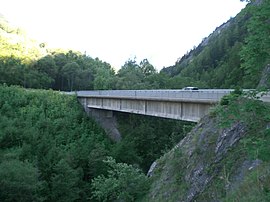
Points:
point(118, 30)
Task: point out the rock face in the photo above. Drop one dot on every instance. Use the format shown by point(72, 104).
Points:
point(198, 163)
point(265, 79)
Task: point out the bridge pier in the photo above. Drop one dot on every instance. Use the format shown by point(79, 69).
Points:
point(105, 118)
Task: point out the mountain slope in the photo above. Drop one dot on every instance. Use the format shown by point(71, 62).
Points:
point(49, 149)
point(235, 54)
point(226, 157)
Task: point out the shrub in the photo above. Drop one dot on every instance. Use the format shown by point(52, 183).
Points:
point(123, 183)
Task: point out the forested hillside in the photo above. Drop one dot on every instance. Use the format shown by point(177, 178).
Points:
point(51, 151)
point(25, 62)
point(235, 54)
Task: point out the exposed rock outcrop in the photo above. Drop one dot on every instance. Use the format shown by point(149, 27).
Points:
point(265, 78)
point(198, 162)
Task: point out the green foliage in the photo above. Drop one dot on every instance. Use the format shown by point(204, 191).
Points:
point(104, 79)
point(19, 181)
point(168, 177)
point(254, 188)
point(247, 108)
point(215, 63)
point(233, 55)
point(49, 150)
point(147, 68)
point(243, 106)
point(32, 65)
point(65, 183)
point(50, 131)
point(122, 183)
point(227, 99)
point(55, 151)
point(232, 178)
point(139, 76)
point(130, 76)
point(242, 174)
point(145, 139)
point(256, 51)
point(24, 62)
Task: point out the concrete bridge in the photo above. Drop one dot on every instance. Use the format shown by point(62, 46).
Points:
point(187, 105)
point(175, 104)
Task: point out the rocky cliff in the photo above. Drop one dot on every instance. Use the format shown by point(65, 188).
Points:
point(224, 158)
point(265, 78)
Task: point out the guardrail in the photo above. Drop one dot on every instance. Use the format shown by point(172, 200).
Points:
point(206, 95)
point(168, 94)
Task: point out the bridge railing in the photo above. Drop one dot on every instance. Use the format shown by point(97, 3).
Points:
point(168, 94)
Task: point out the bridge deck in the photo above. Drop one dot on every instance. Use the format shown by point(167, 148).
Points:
point(175, 104)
